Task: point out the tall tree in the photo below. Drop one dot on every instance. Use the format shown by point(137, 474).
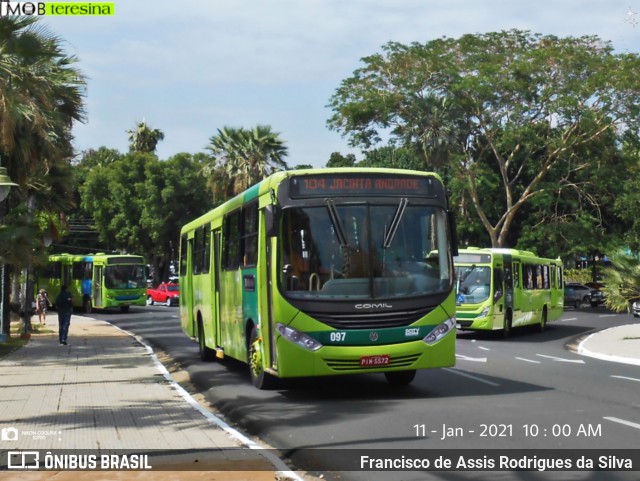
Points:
point(139, 203)
point(41, 96)
point(247, 156)
point(509, 108)
point(144, 139)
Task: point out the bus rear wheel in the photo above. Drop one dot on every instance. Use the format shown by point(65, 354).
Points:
point(400, 378)
point(206, 353)
point(86, 305)
point(259, 378)
point(543, 320)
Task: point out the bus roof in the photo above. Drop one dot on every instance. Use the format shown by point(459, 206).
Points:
point(275, 179)
point(503, 251)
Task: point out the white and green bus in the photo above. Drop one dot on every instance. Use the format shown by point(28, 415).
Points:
point(324, 272)
point(96, 280)
point(499, 289)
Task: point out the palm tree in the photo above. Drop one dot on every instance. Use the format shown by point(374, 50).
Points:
point(245, 157)
point(144, 138)
point(622, 281)
point(41, 96)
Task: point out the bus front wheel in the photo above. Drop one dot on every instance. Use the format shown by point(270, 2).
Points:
point(507, 324)
point(400, 378)
point(259, 378)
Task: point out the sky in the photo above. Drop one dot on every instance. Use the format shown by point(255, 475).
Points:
point(191, 67)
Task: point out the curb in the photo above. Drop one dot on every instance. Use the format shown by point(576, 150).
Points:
point(584, 351)
point(283, 471)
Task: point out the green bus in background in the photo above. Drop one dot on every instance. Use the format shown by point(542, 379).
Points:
point(324, 272)
point(506, 288)
point(96, 280)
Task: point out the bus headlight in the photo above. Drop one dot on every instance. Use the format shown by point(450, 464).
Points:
point(440, 331)
point(299, 338)
point(485, 312)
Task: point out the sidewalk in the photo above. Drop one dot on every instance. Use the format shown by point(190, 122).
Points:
point(106, 391)
point(617, 344)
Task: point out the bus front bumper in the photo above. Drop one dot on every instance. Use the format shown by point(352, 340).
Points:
point(295, 361)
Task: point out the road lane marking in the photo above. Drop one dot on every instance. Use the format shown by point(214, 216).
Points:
point(484, 348)
point(474, 359)
point(627, 378)
point(608, 315)
point(560, 359)
point(569, 319)
point(463, 374)
point(527, 360)
point(622, 421)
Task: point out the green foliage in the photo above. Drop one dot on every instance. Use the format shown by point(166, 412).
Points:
point(338, 160)
point(144, 139)
point(244, 157)
point(521, 126)
point(581, 276)
point(139, 203)
point(622, 281)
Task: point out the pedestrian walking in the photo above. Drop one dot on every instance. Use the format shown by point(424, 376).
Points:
point(42, 305)
point(64, 305)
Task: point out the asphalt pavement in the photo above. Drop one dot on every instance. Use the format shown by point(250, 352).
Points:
point(107, 390)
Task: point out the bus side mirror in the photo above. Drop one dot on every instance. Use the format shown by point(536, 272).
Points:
point(271, 218)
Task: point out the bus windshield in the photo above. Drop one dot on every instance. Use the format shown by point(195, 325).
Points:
point(473, 284)
point(124, 277)
point(364, 251)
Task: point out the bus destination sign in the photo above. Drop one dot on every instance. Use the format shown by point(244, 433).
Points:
point(361, 184)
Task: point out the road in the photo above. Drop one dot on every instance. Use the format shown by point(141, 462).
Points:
point(528, 392)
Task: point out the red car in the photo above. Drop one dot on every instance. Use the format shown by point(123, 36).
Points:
point(167, 293)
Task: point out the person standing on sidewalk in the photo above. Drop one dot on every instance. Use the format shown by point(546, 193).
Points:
point(64, 305)
point(42, 304)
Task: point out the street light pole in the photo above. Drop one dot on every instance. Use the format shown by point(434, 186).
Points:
point(5, 186)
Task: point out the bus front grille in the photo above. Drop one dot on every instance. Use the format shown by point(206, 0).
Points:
point(354, 364)
point(370, 320)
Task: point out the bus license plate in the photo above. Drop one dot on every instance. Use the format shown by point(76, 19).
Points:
point(368, 361)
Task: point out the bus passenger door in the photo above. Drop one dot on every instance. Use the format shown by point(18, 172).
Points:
point(97, 286)
point(215, 308)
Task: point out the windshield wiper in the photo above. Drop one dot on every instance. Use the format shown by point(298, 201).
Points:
point(337, 226)
point(395, 223)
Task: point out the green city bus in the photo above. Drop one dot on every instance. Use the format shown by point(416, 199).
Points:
point(324, 272)
point(96, 280)
point(506, 288)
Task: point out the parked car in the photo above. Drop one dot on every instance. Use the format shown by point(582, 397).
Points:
point(597, 294)
point(576, 294)
point(635, 308)
point(167, 293)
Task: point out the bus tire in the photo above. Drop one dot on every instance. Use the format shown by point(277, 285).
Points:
point(124, 309)
point(400, 378)
point(543, 319)
point(206, 353)
point(86, 305)
point(259, 378)
point(507, 324)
